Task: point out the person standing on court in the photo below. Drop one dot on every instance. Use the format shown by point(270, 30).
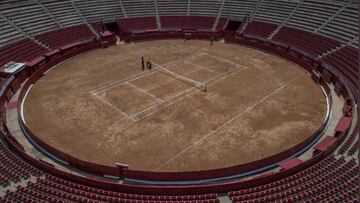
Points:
point(142, 63)
point(211, 40)
point(148, 64)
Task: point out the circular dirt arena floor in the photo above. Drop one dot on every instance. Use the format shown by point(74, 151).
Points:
point(101, 107)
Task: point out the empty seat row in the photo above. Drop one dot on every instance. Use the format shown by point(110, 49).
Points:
point(138, 24)
point(346, 60)
point(20, 51)
point(48, 188)
point(65, 36)
point(107, 10)
point(274, 11)
point(308, 42)
point(350, 143)
point(303, 18)
point(187, 22)
point(78, 189)
point(261, 29)
point(328, 180)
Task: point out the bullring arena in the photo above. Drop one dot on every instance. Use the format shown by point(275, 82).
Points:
point(124, 112)
point(250, 101)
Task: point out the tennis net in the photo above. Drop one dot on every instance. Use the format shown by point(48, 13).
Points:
point(199, 85)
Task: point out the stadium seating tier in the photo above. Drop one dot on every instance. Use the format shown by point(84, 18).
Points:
point(30, 29)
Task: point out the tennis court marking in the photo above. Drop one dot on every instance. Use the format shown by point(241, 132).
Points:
point(158, 104)
point(164, 68)
point(236, 65)
point(144, 91)
point(211, 81)
point(119, 82)
point(186, 92)
point(134, 118)
point(131, 116)
point(201, 67)
point(114, 107)
point(228, 122)
point(127, 79)
point(133, 78)
point(137, 76)
point(168, 100)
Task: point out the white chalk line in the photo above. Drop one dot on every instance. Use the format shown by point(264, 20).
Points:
point(158, 104)
point(224, 75)
point(213, 80)
point(119, 82)
point(177, 95)
point(131, 78)
point(217, 79)
point(184, 77)
point(114, 107)
point(170, 78)
point(224, 60)
point(127, 79)
point(137, 76)
point(154, 106)
point(225, 124)
point(159, 100)
point(140, 75)
point(141, 90)
point(201, 67)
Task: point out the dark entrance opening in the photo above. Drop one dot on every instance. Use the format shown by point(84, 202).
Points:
point(112, 27)
point(233, 25)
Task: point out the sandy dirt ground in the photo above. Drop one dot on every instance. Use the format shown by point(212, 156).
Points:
point(101, 107)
